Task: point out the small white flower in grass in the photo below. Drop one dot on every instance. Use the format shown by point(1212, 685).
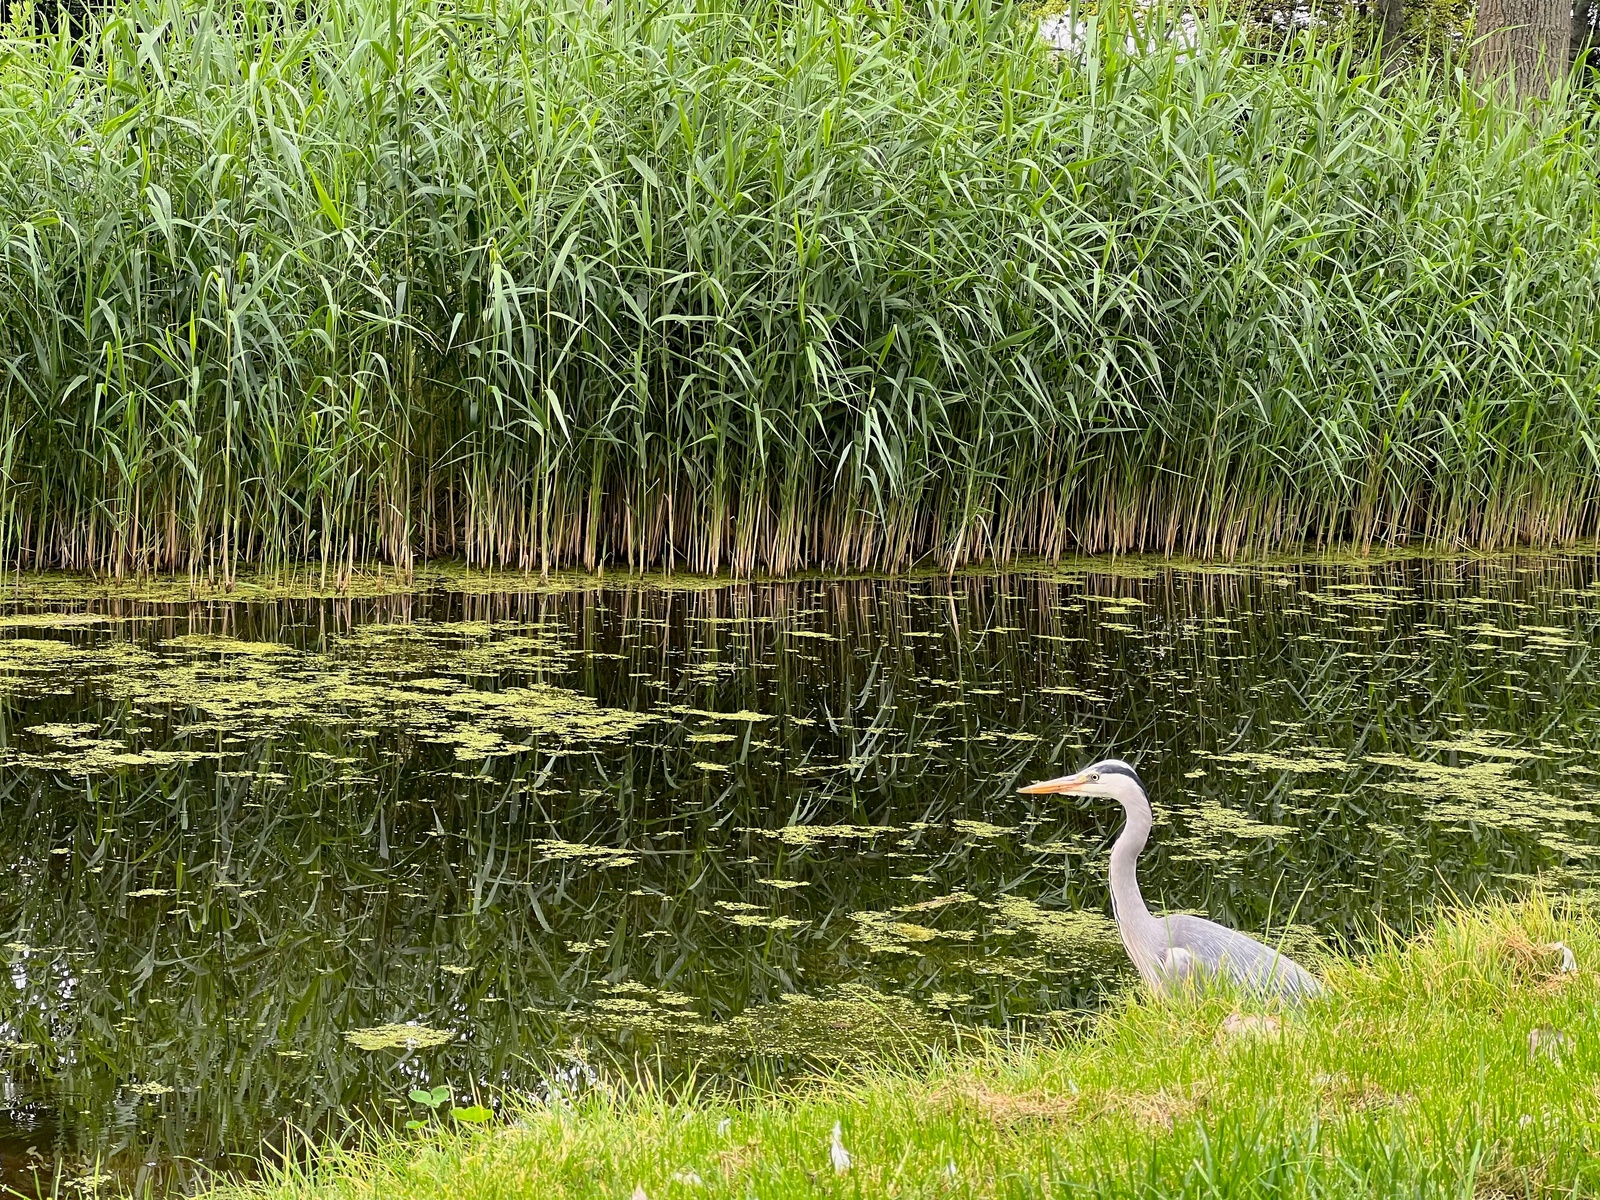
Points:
point(638, 1192)
point(724, 1126)
point(950, 1169)
point(688, 1177)
point(837, 1152)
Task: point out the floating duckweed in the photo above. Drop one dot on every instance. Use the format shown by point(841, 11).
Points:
point(252, 690)
point(1212, 819)
point(216, 643)
point(1063, 932)
point(93, 756)
point(1077, 693)
point(310, 583)
point(851, 1024)
point(937, 902)
point(1485, 743)
point(409, 1036)
point(1484, 792)
point(627, 1006)
point(982, 829)
point(803, 836)
point(744, 714)
point(62, 731)
point(756, 920)
point(150, 1090)
point(1301, 760)
point(882, 933)
point(45, 620)
point(848, 1024)
point(555, 850)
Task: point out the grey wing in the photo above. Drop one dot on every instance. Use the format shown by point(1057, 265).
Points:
point(1218, 950)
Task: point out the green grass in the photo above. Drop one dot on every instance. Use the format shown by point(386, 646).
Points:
point(1462, 1064)
point(768, 285)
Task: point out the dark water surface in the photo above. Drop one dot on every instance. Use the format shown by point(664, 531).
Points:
point(280, 862)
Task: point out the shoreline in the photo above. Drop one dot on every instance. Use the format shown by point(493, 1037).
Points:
point(1461, 1062)
point(301, 581)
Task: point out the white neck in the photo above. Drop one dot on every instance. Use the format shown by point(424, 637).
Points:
point(1127, 903)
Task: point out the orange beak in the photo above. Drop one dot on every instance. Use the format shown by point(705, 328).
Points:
point(1052, 787)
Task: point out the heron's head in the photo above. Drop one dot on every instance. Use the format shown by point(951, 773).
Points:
point(1110, 777)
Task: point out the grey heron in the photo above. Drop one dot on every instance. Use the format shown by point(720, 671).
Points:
point(1174, 951)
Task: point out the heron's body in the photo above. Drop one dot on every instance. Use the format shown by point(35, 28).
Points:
point(1175, 951)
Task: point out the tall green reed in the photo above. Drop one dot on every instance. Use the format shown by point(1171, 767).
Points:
point(769, 285)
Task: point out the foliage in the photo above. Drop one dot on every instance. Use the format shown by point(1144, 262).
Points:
point(763, 285)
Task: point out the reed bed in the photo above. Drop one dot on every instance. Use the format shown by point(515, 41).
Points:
point(768, 285)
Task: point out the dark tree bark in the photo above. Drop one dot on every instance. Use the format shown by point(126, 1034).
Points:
point(1392, 22)
point(1522, 43)
point(1582, 28)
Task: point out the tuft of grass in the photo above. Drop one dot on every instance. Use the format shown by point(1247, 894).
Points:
point(1464, 1063)
point(768, 285)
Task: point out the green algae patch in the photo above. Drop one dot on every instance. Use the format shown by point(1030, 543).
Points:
point(1301, 760)
point(555, 850)
point(1065, 934)
point(1486, 790)
point(308, 583)
point(398, 1037)
point(207, 684)
point(1212, 820)
point(743, 715)
point(851, 1023)
point(755, 916)
point(221, 644)
point(54, 620)
point(890, 933)
point(804, 837)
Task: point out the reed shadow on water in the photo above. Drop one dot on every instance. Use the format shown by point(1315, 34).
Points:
point(300, 860)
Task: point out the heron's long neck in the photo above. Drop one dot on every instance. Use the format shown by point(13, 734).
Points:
point(1126, 901)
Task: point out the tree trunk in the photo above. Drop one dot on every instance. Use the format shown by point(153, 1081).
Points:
point(1522, 43)
point(1392, 22)
point(1582, 28)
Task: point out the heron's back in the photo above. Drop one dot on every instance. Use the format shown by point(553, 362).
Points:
point(1220, 951)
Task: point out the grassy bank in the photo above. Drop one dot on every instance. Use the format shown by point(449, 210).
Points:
point(1463, 1064)
point(765, 286)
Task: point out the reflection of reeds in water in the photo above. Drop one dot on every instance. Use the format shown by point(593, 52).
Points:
point(765, 286)
point(225, 923)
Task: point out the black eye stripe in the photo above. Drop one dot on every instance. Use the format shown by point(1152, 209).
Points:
point(1115, 767)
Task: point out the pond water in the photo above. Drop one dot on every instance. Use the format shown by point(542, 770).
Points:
point(277, 862)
